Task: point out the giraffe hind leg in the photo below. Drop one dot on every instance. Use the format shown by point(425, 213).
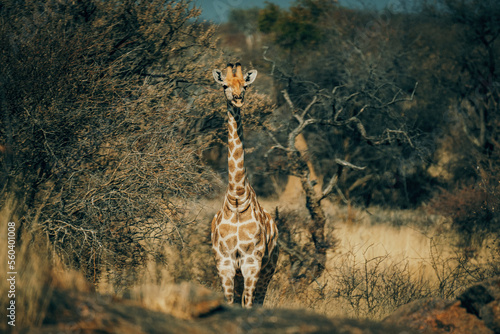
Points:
point(266, 275)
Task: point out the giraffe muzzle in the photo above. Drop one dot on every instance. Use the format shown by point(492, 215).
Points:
point(237, 102)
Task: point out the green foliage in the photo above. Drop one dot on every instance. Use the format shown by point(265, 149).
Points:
point(268, 17)
point(300, 26)
point(244, 20)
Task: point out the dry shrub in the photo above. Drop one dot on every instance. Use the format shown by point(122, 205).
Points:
point(374, 286)
point(456, 267)
point(472, 210)
point(377, 266)
point(99, 126)
point(186, 256)
point(296, 245)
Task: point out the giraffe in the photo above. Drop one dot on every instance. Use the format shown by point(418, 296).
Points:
point(244, 235)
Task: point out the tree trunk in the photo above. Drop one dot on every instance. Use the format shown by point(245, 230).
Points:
point(292, 188)
point(316, 226)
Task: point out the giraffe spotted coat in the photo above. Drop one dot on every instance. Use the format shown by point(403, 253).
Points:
point(244, 235)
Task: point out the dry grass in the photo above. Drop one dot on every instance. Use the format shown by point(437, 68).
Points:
point(384, 259)
point(38, 269)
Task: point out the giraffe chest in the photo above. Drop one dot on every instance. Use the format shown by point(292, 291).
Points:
point(242, 231)
point(234, 237)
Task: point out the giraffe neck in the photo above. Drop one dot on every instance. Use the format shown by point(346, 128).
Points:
point(238, 192)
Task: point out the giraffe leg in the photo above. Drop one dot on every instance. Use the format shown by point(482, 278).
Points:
point(266, 274)
point(250, 273)
point(227, 274)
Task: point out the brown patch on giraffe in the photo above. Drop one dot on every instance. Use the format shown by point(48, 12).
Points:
point(258, 254)
point(240, 191)
point(231, 128)
point(215, 238)
point(227, 229)
point(237, 154)
point(239, 176)
point(246, 213)
point(230, 164)
point(251, 228)
point(227, 212)
point(250, 260)
point(243, 235)
point(253, 271)
point(250, 281)
point(231, 242)
point(239, 164)
point(247, 248)
point(223, 250)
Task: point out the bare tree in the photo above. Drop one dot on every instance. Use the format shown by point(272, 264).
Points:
point(298, 161)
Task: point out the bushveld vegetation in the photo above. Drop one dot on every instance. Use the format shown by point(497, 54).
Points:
point(375, 134)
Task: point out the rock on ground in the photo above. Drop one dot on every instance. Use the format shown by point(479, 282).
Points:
point(476, 310)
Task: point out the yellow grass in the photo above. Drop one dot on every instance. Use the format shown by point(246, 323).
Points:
point(417, 249)
point(32, 273)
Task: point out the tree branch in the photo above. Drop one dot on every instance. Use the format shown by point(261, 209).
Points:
point(334, 180)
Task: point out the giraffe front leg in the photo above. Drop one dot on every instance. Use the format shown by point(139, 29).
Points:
point(227, 274)
point(251, 276)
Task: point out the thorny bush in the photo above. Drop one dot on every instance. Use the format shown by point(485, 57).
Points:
point(95, 123)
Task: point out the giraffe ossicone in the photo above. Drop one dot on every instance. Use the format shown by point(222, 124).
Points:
point(244, 235)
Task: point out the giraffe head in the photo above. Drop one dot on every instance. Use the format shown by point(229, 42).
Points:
point(234, 83)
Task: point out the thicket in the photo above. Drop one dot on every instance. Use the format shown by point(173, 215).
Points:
point(95, 124)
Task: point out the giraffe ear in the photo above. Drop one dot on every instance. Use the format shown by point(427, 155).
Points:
point(218, 77)
point(250, 77)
